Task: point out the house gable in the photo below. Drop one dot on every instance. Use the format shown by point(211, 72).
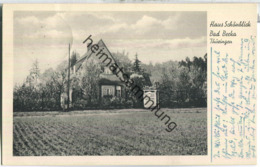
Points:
point(108, 82)
point(89, 53)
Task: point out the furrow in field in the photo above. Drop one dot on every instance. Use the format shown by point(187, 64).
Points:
point(61, 139)
point(109, 141)
point(28, 149)
point(102, 136)
point(33, 139)
point(18, 145)
point(47, 137)
point(43, 146)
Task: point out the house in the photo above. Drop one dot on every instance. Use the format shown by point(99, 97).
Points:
point(109, 84)
point(107, 89)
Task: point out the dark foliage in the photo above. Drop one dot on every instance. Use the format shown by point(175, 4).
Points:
point(180, 84)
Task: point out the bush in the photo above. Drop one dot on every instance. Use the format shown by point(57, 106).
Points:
point(116, 102)
point(80, 104)
point(128, 104)
point(106, 101)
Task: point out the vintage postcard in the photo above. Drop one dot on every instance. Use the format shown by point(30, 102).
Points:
point(129, 84)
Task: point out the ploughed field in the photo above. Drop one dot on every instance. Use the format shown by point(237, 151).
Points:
point(110, 132)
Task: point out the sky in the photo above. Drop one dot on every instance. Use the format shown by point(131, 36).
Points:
point(154, 36)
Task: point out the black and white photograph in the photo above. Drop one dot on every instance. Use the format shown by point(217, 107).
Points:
point(112, 83)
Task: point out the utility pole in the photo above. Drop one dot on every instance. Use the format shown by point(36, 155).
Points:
point(68, 104)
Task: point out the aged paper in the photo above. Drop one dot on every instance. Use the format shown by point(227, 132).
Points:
point(129, 84)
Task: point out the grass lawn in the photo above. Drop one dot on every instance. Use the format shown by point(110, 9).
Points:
point(109, 132)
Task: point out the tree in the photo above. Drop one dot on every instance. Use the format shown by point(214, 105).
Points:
point(89, 78)
point(196, 77)
point(33, 78)
point(35, 71)
point(184, 79)
point(50, 90)
point(27, 97)
point(187, 63)
point(74, 58)
point(137, 65)
point(60, 78)
point(166, 90)
point(123, 61)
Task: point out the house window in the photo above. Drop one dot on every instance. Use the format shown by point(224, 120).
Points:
point(108, 90)
point(118, 91)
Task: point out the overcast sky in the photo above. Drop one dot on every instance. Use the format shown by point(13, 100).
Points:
point(155, 36)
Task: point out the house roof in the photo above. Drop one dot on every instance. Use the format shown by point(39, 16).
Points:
point(105, 78)
point(111, 77)
point(112, 80)
point(89, 53)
